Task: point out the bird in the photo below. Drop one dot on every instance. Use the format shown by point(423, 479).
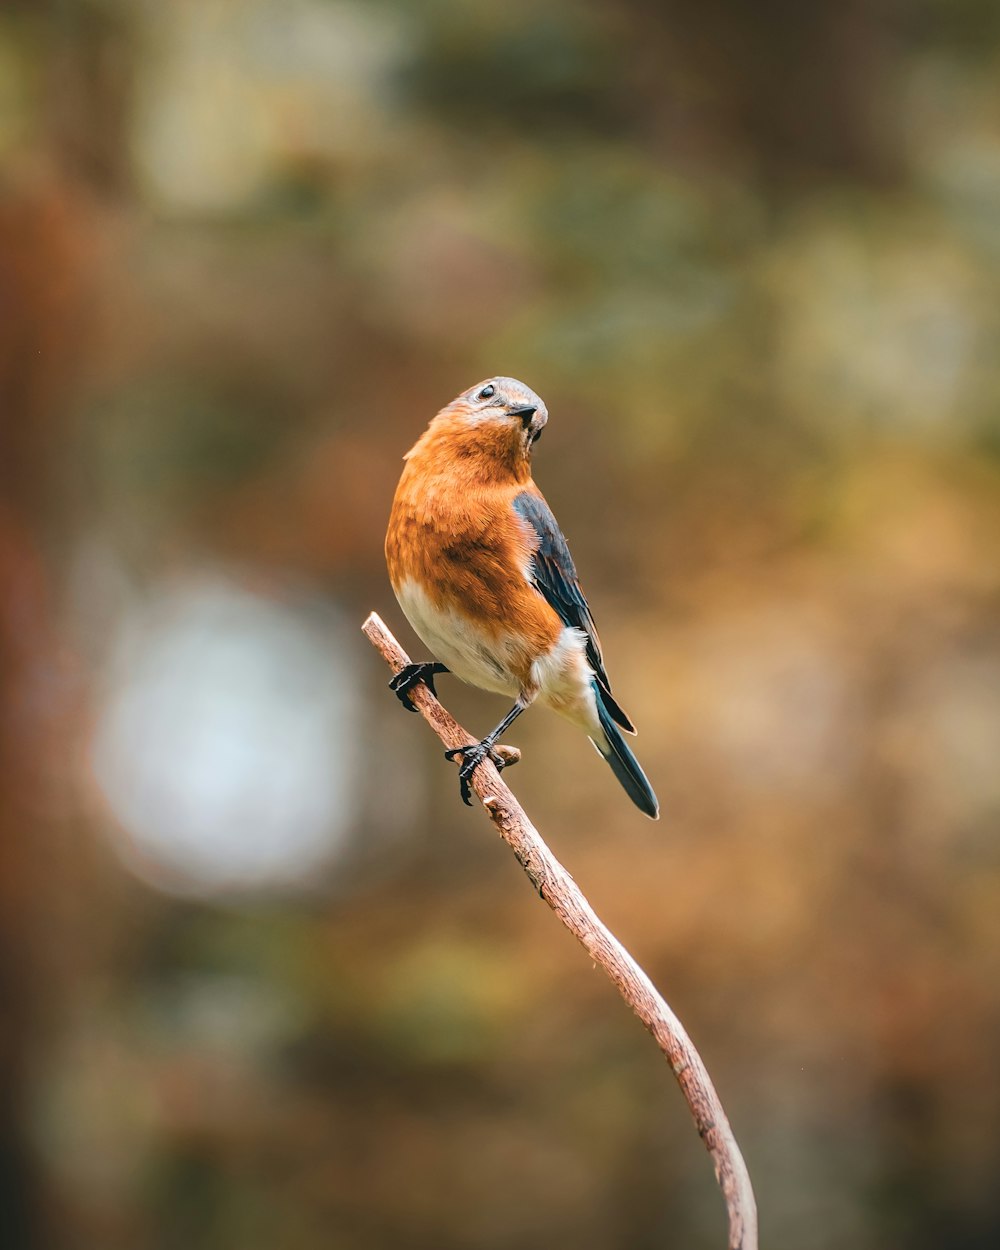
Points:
point(482, 572)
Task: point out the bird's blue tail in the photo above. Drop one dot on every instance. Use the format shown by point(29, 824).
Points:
point(623, 763)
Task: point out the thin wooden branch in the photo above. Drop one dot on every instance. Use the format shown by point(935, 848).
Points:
point(564, 896)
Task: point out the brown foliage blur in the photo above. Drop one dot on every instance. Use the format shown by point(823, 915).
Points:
point(264, 981)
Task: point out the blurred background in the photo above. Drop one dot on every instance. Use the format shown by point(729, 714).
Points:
point(264, 982)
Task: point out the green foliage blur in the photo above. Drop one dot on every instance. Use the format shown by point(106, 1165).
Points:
point(264, 982)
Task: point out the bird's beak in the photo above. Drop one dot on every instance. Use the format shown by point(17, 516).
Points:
point(532, 421)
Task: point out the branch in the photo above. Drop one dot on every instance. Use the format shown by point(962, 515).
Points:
point(563, 895)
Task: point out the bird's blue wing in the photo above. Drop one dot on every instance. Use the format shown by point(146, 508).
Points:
point(554, 576)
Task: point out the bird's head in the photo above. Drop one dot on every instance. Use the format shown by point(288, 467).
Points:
point(487, 433)
point(502, 411)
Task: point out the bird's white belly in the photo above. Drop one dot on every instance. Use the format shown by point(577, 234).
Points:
point(560, 677)
point(470, 653)
point(565, 680)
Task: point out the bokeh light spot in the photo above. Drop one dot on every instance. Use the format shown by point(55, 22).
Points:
point(223, 747)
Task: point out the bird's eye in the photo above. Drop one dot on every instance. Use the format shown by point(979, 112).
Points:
point(487, 392)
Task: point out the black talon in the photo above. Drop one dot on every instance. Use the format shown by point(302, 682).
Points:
point(475, 752)
point(410, 676)
point(473, 755)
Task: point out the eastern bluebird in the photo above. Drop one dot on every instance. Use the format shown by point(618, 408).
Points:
point(484, 575)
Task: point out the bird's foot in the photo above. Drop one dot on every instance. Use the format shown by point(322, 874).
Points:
point(411, 676)
point(473, 755)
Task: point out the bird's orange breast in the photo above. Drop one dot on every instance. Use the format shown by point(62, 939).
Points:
point(453, 533)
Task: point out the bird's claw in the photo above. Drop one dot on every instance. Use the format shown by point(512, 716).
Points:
point(412, 675)
point(473, 755)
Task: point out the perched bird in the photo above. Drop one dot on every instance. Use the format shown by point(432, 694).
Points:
point(484, 576)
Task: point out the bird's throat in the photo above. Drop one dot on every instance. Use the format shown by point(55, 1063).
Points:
point(474, 454)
